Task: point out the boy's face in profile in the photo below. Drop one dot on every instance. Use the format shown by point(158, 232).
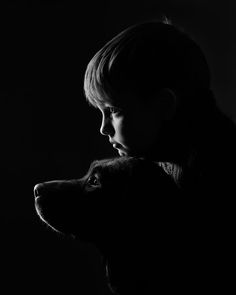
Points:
point(132, 127)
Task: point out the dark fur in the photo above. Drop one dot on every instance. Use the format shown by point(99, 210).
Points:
point(153, 235)
point(130, 216)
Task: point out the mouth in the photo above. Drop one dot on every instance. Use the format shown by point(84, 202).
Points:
point(120, 149)
point(116, 145)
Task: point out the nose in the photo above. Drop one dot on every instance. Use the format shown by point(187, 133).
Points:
point(38, 188)
point(106, 127)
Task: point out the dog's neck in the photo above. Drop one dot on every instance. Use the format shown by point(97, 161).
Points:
point(124, 270)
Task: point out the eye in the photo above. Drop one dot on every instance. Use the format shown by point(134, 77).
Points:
point(114, 110)
point(93, 181)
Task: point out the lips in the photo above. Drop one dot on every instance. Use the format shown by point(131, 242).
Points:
point(121, 150)
point(116, 145)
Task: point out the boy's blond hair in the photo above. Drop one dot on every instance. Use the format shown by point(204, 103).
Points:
point(144, 59)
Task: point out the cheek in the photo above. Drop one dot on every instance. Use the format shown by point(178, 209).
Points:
point(141, 133)
point(119, 125)
point(123, 130)
point(127, 131)
point(126, 128)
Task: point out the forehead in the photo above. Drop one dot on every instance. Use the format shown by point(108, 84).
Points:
point(100, 166)
point(110, 165)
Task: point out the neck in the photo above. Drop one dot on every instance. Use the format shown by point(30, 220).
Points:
point(177, 152)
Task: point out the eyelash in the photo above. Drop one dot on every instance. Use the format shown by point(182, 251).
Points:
point(114, 110)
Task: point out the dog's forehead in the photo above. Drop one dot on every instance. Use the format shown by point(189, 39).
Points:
point(111, 165)
point(126, 166)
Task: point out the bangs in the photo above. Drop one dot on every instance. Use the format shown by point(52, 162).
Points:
point(97, 89)
point(142, 60)
point(102, 77)
point(110, 71)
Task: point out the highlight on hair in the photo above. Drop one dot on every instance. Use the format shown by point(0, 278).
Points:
point(143, 59)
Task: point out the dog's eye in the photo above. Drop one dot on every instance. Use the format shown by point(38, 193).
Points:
point(93, 181)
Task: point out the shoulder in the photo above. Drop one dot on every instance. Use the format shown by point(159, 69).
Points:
point(173, 170)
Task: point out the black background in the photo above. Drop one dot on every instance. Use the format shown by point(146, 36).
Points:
point(49, 131)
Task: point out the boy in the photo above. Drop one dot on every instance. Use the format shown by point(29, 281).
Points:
point(151, 83)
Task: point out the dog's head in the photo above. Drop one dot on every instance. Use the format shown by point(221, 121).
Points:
point(117, 205)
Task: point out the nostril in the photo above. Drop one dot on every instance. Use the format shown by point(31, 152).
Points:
point(36, 190)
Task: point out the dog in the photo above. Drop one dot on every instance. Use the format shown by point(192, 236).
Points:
point(131, 210)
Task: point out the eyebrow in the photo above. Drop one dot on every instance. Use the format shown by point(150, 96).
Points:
point(96, 167)
point(100, 166)
point(110, 105)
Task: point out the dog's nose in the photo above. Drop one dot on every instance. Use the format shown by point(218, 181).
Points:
point(37, 190)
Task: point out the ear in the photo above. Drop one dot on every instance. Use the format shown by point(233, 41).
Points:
point(167, 103)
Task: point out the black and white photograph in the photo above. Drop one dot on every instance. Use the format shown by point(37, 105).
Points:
point(118, 147)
